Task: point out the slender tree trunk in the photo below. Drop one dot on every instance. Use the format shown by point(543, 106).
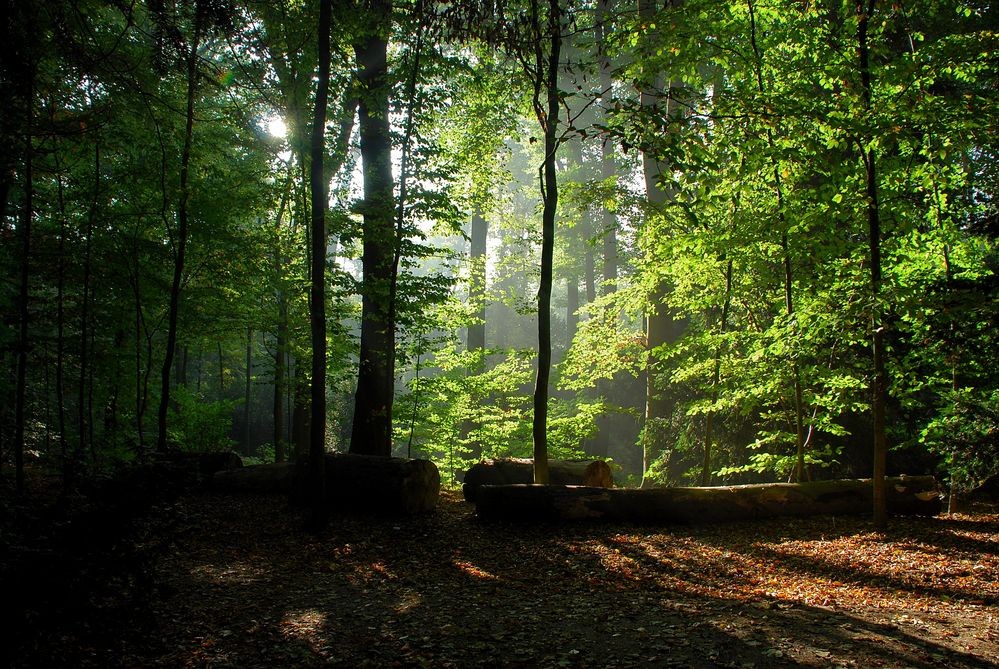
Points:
point(281, 344)
point(180, 240)
point(662, 327)
point(372, 428)
point(301, 410)
point(477, 283)
point(571, 308)
point(879, 389)
point(799, 411)
point(317, 294)
point(67, 473)
point(247, 392)
point(607, 167)
point(546, 71)
point(280, 370)
point(20, 397)
point(85, 316)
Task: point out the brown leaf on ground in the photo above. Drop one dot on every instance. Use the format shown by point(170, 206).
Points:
point(243, 586)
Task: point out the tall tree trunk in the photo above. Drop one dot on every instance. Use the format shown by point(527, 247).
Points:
point(280, 367)
point(607, 167)
point(372, 428)
point(247, 392)
point(879, 389)
point(317, 294)
point(571, 307)
point(82, 403)
point(301, 410)
point(662, 327)
point(180, 239)
point(67, 470)
point(799, 410)
point(546, 73)
point(477, 281)
point(20, 397)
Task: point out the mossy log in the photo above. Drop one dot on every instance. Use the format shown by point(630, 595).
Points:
point(503, 471)
point(907, 495)
point(353, 482)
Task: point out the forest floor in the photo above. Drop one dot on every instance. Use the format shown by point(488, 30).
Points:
point(233, 581)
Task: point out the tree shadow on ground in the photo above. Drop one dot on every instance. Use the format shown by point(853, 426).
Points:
point(246, 589)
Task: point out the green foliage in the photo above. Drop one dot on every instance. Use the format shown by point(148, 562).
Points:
point(201, 426)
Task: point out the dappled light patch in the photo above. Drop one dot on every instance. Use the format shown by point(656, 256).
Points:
point(475, 571)
point(231, 573)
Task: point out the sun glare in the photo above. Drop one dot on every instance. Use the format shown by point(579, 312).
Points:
point(276, 126)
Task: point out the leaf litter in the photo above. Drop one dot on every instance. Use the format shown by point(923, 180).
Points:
point(238, 584)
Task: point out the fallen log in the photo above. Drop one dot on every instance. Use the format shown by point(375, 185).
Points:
point(256, 479)
point(353, 482)
point(907, 495)
point(382, 485)
point(198, 468)
point(503, 471)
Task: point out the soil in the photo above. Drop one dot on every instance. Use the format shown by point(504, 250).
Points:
point(233, 581)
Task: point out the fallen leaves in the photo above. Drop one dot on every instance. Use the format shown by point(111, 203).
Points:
point(245, 587)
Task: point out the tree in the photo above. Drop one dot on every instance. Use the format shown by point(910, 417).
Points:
point(543, 71)
point(372, 427)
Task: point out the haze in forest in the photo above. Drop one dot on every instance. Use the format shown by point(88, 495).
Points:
point(711, 243)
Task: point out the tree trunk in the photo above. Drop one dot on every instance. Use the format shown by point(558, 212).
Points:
point(546, 71)
point(318, 511)
point(67, 469)
point(662, 327)
point(477, 282)
point(907, 495)
point(607, 167)
point(247, 392)
point(593, 473)
point(571, 307)
point(180, 240)
point(371, 433)
point(879, 384)
point(300, 411)
point(20, 397)
point(280, 367)
point(799, 411)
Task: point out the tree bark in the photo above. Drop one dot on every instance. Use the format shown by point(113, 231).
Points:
point(477, 282)
point(180, 240)
point(799, 411)
point(318, 511)
point(662, 327)
point(879, 384)
point(593, 473)
point(371, 433)
point(23, 295)
point(907, 495)
point(546, 74)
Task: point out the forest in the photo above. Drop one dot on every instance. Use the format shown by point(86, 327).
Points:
point(708, 242)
